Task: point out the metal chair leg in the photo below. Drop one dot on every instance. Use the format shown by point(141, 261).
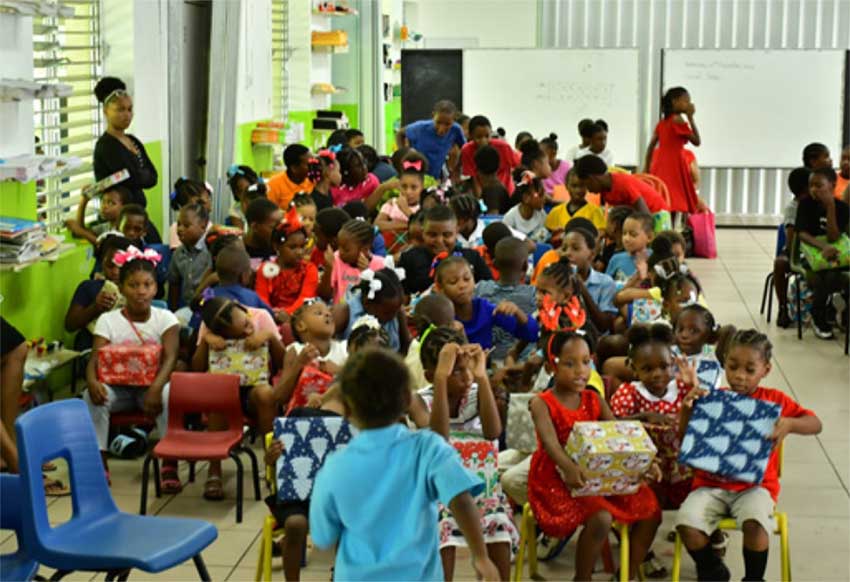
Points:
point(201, 568)
point(239, 475)
point(157, 481)
point(143, 503)
point(764, 292)
point(255, 470)
point(770, 298)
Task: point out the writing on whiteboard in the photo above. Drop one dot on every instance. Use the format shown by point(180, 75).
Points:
point(715, 70)
point(575, 92)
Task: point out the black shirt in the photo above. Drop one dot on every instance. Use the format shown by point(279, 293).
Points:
point(811, 217)
point(416, 263)
point(111, 156)
point(322, 199)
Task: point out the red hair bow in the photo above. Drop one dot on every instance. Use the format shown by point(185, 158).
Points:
point(291, 223)
point(407, 164)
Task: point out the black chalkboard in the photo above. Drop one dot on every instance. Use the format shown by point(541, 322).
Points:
point(426, 77)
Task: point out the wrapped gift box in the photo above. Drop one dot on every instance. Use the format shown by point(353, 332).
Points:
point(307, 443)
point(667, 443)
point(614, 455)
point(128, 365)
point(520, 433)
point(251, 367)
point(481, 457)
point(311, 381)
point(728, 436)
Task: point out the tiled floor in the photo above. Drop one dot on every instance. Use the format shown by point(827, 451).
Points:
point(815, 482)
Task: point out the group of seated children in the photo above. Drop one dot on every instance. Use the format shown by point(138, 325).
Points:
point(608, 323)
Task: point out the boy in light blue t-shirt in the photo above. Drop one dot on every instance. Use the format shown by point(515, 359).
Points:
point(638, 231)
point(376, 499)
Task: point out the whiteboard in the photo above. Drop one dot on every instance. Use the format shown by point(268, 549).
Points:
point(551, 90)
point(759, 108)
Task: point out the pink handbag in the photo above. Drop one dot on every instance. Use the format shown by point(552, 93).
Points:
point(705, 240)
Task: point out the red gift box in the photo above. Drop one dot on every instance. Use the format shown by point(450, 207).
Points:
point(312, 381)
point(130, 365)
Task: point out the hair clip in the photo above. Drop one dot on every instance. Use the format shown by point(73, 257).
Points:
point(527, 178)
point(335, 148)
point(234, 170)
point(172, 195)
point(360, 218)
point(121, 258)
point(207, 294)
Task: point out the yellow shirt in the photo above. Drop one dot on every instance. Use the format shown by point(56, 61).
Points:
point(560, 216)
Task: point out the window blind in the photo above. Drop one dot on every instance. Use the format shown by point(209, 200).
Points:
point(280, 55)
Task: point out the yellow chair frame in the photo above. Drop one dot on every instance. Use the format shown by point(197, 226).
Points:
point(270, 529)
point(731, 524)
point(528, 542)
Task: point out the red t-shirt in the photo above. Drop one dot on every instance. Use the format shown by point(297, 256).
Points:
point(507, 161)
point(790, 409)
point(626, 189)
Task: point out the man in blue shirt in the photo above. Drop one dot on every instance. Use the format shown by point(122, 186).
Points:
point(376, 499)
point(434, 138)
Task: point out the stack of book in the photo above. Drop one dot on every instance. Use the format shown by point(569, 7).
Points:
point(22, 241)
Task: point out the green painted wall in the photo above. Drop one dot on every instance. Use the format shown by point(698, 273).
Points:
point(155, 194)
point(392, 119)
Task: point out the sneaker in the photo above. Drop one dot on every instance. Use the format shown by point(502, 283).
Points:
point(822, 330)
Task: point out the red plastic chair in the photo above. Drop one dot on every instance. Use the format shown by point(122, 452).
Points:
point(657, 184)
point(199, 393)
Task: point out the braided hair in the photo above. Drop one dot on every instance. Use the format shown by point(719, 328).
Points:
point(561, 272)
point(642, 334)
point(361, 230)
point(751, 338)
point(553, 342)
point(317, 165)
point(432, 345)
point(184, 191)
point(465, 206)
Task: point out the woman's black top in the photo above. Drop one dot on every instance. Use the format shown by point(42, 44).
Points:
point(111, 156)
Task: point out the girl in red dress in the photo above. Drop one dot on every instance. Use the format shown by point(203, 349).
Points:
point(286, 283)
point(553, 473)
point(670, 161)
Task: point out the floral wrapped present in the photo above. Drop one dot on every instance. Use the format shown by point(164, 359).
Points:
point(252, 367)
point(128, 365)
point(614, 455)
point(728, 436)
point(307, 443)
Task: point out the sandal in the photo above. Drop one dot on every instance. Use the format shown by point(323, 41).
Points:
point(213, 489)
point(170, 481)
point(55, 487)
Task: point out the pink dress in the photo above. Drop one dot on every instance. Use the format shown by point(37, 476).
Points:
point(344, 194)
point(558, 177)
point(344, 275)
point(671, 163)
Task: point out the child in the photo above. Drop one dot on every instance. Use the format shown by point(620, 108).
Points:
point(358, 210)
point(245, 185)
point(329, 221)
point(138, 322)
point(378, 165)
point(842, 183)
point(511, 260)
point(496, 203)
point(233, 268)
point(306, 208)
point(354, 138)
point(676, 242)
point(395, 213)
point(576, 207)
point(695, 333)
point(357, 182)
point(133, 223)
point(822, 221)
point(192, 260)
point(460, 399)
point(553, 473)
point(112, 201)
point(94, 297)
point(528, 216)
point(480, 136)
point(412, 162)
point(746, 363)
point(494, 233)
point(655, 398)
point(559, 307)
point(392, 536)
point(596, 289)
point(354, 255)
point(613, 242)
point(479, 316)
point(637, 234)
point(288, 282)
point(431, 311)
point(283, 187)
point(596, 135)
point(435, 138)
point(470, 229)
point(262, 216)
point(618, 188)
point(583, 126)
point(188, 192)
point(323, 171)
point(534, 159)
point(379, 294)
point(669, 162)
point(313, 327)
point(225, 319)
point(440, 235)
point(559, 168)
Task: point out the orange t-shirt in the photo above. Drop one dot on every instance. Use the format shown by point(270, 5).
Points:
point(841, 186)
point(281, 190)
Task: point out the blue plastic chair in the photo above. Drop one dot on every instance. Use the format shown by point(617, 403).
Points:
point(98, 537)
point(19, 565)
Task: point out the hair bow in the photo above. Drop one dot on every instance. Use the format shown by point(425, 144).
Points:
point(132, 253)
point(693, 299)
point(389, 263)
point(416, 165)
point(439, 258)
point(234, 170)
point(291, 223)
point(327, 153)
point(375, 284)
point(527, 178)
point(366, 320)
point(668, 268)
point(335, 148)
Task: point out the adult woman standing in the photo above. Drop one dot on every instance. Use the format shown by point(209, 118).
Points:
point(117, 150)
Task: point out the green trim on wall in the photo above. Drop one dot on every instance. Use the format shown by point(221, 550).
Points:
point(157, 194)
point(392, 116)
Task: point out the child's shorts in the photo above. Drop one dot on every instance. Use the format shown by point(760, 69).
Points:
point(706, 506)
point(283, 510)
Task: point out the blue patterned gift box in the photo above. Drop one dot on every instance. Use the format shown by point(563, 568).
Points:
point(307, 443)
point(728, 436)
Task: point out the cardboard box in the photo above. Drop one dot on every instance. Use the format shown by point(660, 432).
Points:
point(129, 365)
point(728, 436)
point(614, 455)
point(251, 367)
